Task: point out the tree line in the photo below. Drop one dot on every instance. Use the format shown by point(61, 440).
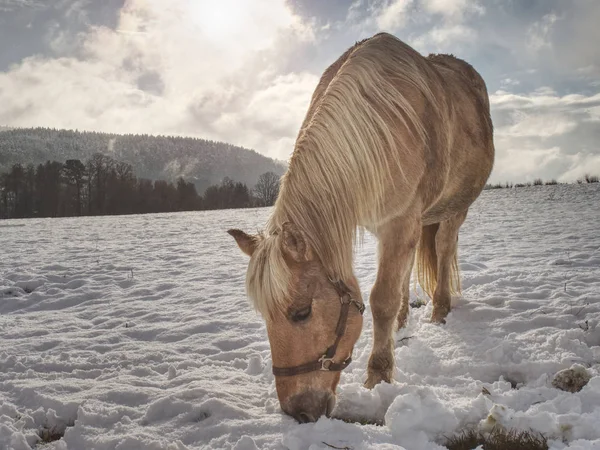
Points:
point(154, 157)
point(104, 186)
point(539, 182)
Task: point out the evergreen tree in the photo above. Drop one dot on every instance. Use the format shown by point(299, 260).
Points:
point(75, 176)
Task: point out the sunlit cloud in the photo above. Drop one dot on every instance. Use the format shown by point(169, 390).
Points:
point(207, 69)
point(544, 133)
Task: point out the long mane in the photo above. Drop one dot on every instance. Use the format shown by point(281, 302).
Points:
point(358, 131)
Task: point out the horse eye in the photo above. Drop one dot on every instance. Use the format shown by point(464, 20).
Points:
point(299, 316)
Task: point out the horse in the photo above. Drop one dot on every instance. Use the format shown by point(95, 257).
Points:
point(394, 143)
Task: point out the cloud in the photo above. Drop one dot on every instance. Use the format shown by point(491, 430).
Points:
point(544, 134)
point(428, 25)
point(445, 36)
point(11, 5)
point(393, 15)
point(543, 97)
point(209, 69)
point(453, 10)
point(540, 31)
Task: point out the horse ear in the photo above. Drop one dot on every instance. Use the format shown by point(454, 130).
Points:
point(245, 242)
point(293, 242)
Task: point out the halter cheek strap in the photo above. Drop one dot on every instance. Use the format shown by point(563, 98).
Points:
point(326, 362)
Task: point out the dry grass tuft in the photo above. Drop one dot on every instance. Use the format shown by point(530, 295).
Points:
point(497, 440)
point(48, 435)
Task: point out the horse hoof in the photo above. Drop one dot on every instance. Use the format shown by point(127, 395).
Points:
point(373, 379)
point(439, 317)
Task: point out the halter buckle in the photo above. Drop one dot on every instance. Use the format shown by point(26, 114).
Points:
point(360, 306)
point(346, 299)
point(345, 295)
point(325, 363)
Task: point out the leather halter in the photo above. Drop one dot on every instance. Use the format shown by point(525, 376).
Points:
point(325, 362)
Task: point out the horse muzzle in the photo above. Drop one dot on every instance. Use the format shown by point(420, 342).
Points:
point(310, 405)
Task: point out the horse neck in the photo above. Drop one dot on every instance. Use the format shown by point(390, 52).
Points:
point(328, 221)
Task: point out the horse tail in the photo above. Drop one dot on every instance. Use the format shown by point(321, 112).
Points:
point(427, 259)
point(455, 288)
point(427, 273)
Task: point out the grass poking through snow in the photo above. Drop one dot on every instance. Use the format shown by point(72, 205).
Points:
point(497, 440)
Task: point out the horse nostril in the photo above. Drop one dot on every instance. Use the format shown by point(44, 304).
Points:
point(305, 418)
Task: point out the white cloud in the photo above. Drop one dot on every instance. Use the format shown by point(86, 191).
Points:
point(538, 125)
point(594, 114)
point(209, 69)
point(542, 134)
point(539, 33)
point(277, 111)
point(506, 82)
point(393, 15)
point(581, 164)
point(455, 10)
point(446, 22)
point(542, 97)
point(523, 163)
point(10, 5)
point(444, 37)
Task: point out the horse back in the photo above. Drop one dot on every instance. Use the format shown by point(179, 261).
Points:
point(443, 150)
point(447, 170)
point(465, 157)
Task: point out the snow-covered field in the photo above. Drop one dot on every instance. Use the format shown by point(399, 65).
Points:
point(135, 333)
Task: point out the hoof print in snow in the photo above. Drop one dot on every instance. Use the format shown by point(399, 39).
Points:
point(50, 434)
point(516, 380)
point(572, 379)
point(202, 416)
point(55, 433)
point(53, 427)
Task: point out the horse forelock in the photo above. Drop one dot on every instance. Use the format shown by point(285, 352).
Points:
point(268, 277)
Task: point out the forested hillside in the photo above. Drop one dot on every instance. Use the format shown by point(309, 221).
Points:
point(200, 161)
point(103, 186)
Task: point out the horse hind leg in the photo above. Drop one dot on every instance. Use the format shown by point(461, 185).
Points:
point(447, 277)
point(398, 239)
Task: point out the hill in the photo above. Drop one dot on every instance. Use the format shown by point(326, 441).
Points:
point(201, 161)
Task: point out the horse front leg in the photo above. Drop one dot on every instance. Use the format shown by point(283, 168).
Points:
point(397, 243)
point(405, 293)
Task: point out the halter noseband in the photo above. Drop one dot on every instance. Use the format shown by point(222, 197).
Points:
point(325, 362)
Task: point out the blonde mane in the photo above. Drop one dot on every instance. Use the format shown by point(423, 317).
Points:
point(358, 131)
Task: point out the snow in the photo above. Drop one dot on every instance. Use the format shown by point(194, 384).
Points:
point(134, 333)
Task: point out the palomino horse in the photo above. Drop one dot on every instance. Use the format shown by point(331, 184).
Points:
point(392, 142)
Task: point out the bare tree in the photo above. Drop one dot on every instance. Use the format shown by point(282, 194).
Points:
point(267, 188)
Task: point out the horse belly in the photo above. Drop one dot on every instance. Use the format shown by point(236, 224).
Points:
point(460, 191)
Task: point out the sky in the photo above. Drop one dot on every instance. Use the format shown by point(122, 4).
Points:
point(243, 71)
